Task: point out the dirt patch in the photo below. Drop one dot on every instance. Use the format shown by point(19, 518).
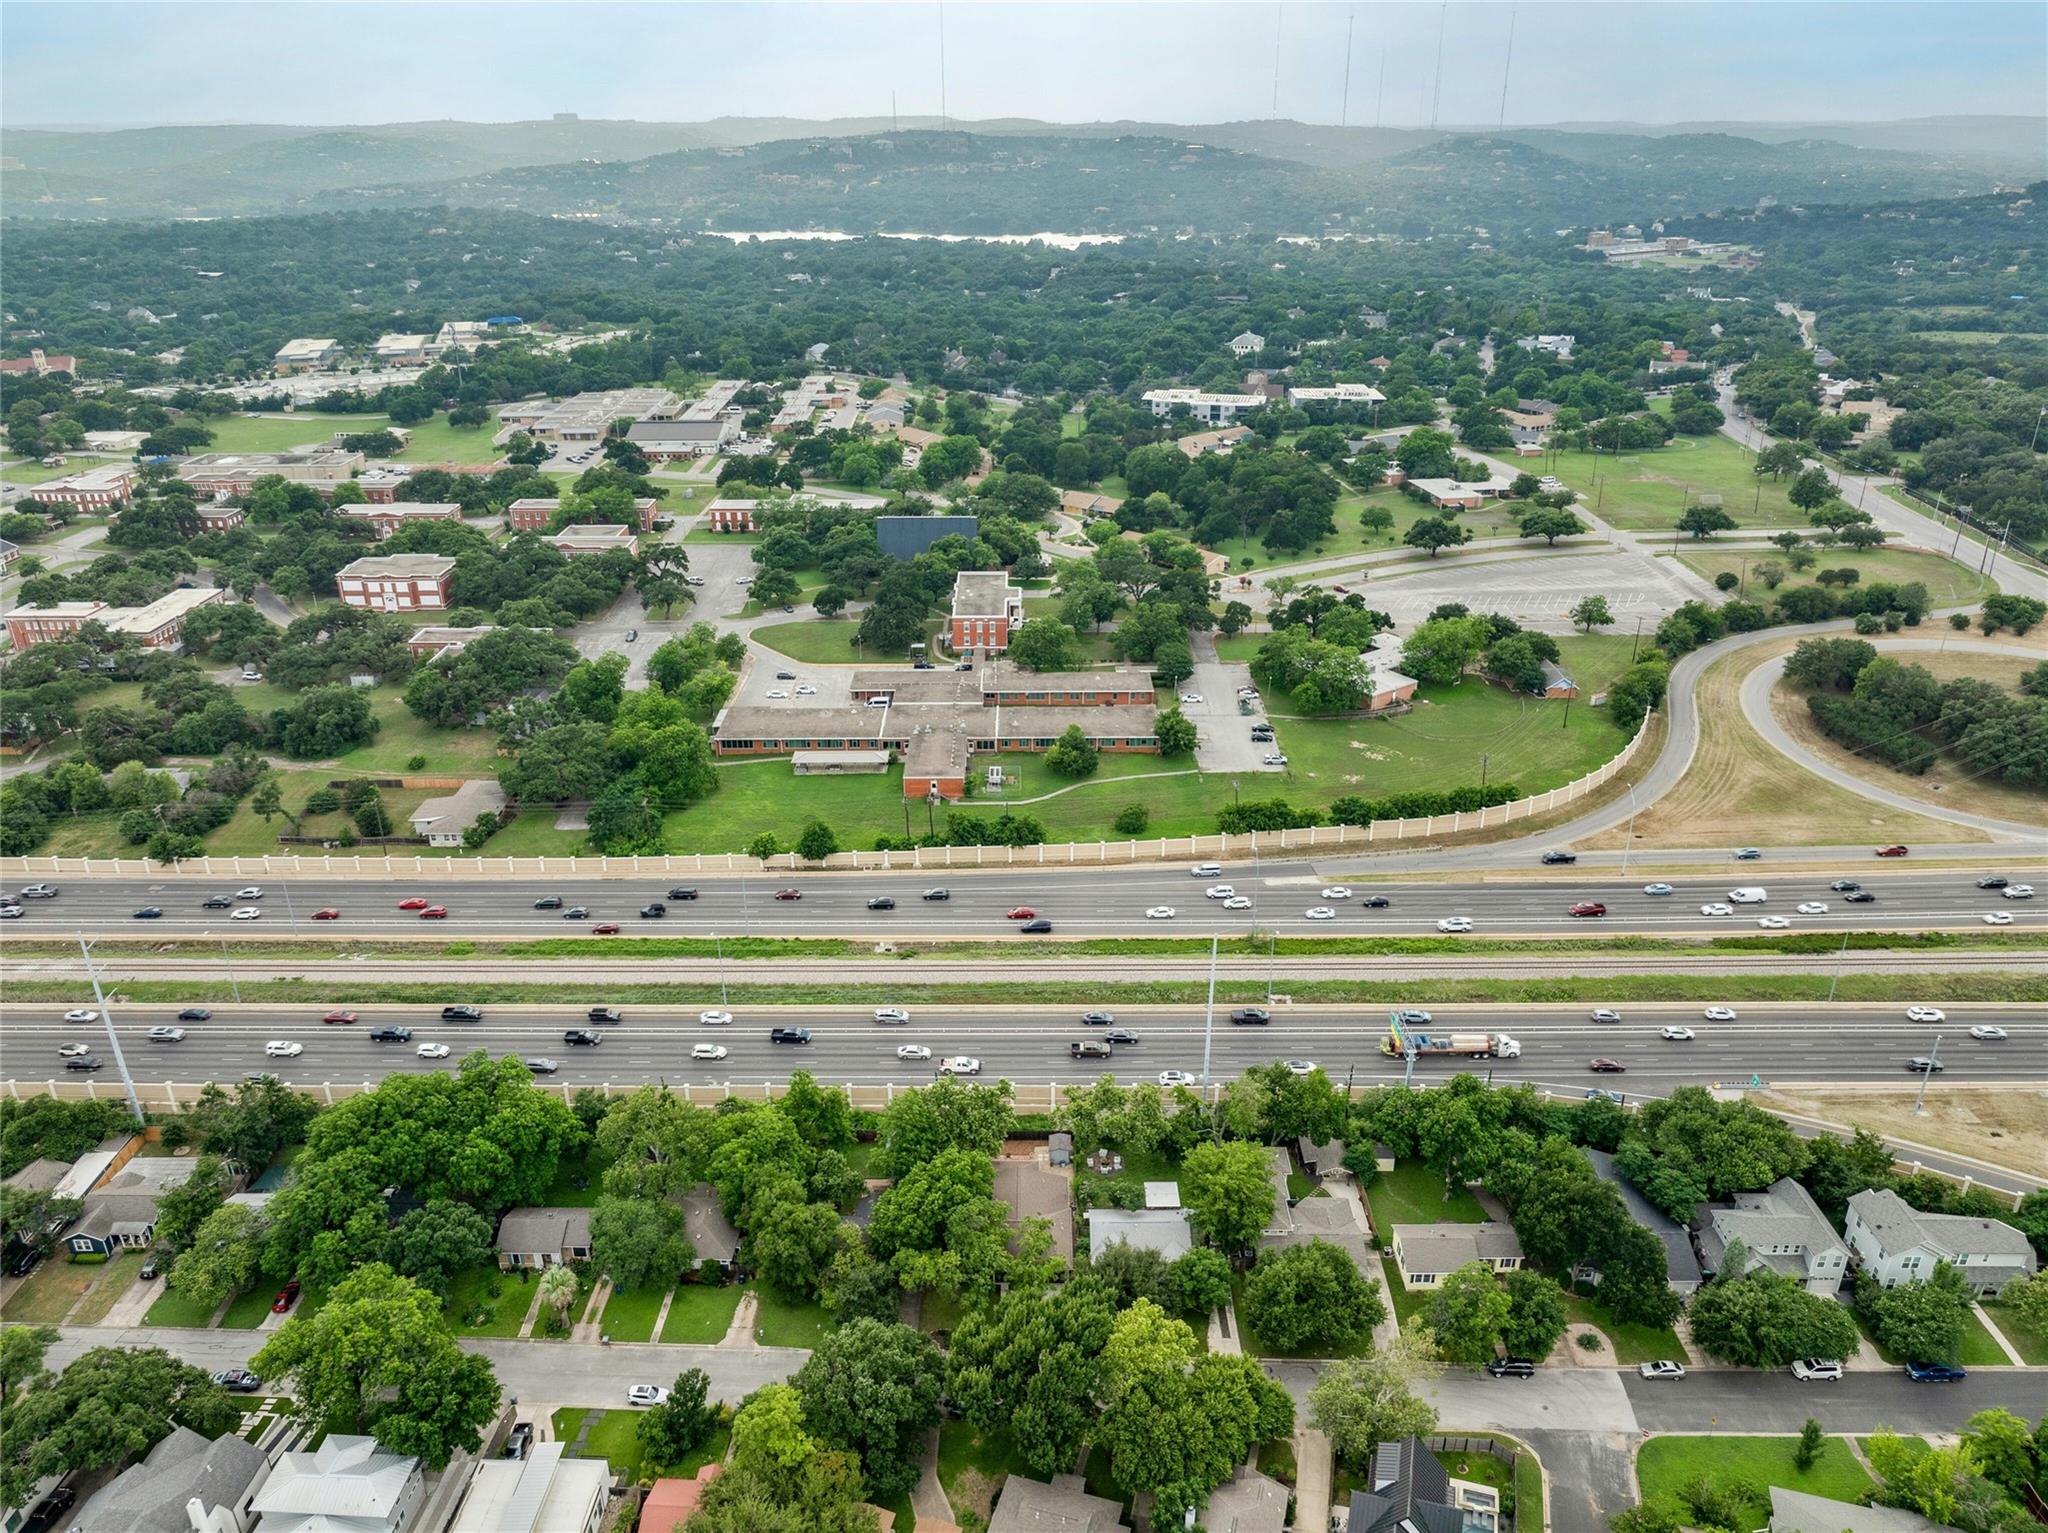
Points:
point(2005, 1125)
point(973, 1496)
point(1740, 790)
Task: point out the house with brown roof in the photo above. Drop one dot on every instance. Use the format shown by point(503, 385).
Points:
point(1032, 1191)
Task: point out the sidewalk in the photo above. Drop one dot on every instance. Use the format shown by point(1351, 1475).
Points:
point(1311, 1479)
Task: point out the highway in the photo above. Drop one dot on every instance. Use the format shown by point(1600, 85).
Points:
point(1779, 1043)
point(1101, 902)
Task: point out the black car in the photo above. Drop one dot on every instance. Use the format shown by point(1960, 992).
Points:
point(785, 675)
point(195, 1014)
point(576, 913)
point(1119, 1035)
point(586, 1036)
point(548, 902)
point(519, 1440)
point(1845, 886)
point(238, 1381)
point(1919, 1064)
point(653, 911)
point(1256, 1015)
point(152, 1268)
point(789, 1035)
point(217, 902)
point(682, 894)
point(1039, 925)
point(149, 913)
point(1376, 902)
point(49, 1514)
point(937, 894)
point(1935, 1373)
point(391, 1035)
point(462, 1013)
point(1992, 881)
point(1097, 1018)
point(1511, 1368)
point(922, 665)
point(881, 902)
point(25, 1263)
point(83, 1062)
point(602, 1014)
point(540, 1064)
point(1860, 897)
point(1559, 859)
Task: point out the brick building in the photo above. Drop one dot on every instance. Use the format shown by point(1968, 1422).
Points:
point(728, 514)
point(388, 516)
point(92, 489)
point(397, 582)
point(985, 608)
point(159, 625)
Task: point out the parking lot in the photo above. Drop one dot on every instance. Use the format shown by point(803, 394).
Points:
point(834, 683)
point(1539, 591)
point(1224, 740)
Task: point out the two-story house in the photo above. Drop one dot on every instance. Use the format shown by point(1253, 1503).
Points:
point(1897, 1243)
point(1781, 1228)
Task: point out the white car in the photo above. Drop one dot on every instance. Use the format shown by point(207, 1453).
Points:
point(807, 690)
point(253, 892)
point(1814, 908)
point(2017, 892)
point(1207, 870)
point(1717, 908)
point(1606, 1014)
point(280, 1048)
point(1774, 923)
point(1657, 889)
point(960, 1064)
point(74, 1050)
point(715, 1018)
point(1219, 891)
point(1238, 902)
point(1320, 913)
point(1337, 892)
point(1998, 918)
point(891, 1014)
point(1676, 1034)
point(1719, 1013)
point(1817, 1370)
point(1983, 1032)
point(1925, 1014)
point(707, 1051)
point(646, 1394)
point(1455, 924)
point(1191, 697)
point(1301, 1067)
point(433, 1051)
point(82, 1014)
point(247, 913)
point(1276, 759)
point(1662, 1370)
point(252, 675)
point(777, 692)
point(912, 1051)
point(1159, 913)
point(1175, 1078)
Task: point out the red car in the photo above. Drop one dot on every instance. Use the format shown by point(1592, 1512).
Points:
point(1891, 851)
point(287, 1296)
point(329, 914)
point(1608, 1067)
point(1023, 913)
point(339, 1016)
point(415, 903)
point(789, 894)
point(605, 929)
point(434, 913)
point(1341, 590)
point(1589, 908)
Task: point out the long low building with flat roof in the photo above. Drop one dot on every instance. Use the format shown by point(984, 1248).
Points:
point(159, 624)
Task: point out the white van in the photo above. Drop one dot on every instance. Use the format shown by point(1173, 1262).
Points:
point(1207, 870)
point(1748, 896)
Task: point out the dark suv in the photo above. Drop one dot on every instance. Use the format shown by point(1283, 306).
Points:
point(391, 1035)
point(462, 1013)
point(1511, 1368)
point(1559, 859)
point(602, 1014)
point(682, 894)
point(789, 1035)
point(83, 1062)
point(583, 1035)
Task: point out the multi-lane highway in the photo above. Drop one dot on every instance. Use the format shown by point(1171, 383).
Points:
point(1778, 1043)
point(987, 905)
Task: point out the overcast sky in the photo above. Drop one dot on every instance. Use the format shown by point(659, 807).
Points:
point(287, 61)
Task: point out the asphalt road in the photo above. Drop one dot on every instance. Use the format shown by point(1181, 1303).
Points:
point(1104, 901)
point(1779, 1044)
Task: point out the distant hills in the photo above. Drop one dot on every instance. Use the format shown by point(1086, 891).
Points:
point(1011, 175)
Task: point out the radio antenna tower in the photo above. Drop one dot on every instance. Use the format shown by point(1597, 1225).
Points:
point(1344, 112)
point(1436, 91)
point(1506, 70)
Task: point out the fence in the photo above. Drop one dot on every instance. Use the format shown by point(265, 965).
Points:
point(1501, 1455)
point(1214, 848)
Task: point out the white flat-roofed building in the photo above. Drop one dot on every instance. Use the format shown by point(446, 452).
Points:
point(405, 350)
point(593, 538)
point(237, 473)
point(588, 417)
point(467, 334)
point(694, 436)
point(541, 1493)
point(1216, 409)
point(115, 441)
point(397, 582)
point(1337, 394)
point(304, 356)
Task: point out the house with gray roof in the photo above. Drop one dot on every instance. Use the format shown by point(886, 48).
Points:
point(1428, 1253)
point(712, 1235)
point(1781, 1228)
point(1413, 1493)
point(1794, 1511)
point(346, 1485)
point(1681, 1263)
point(1319, 1160)
point(40, 1175)
point(1062, 1506)
point(1333, 1221)
point(1029, 1190)
point(543, 1237)
point(1251, 1503)
point(1165, 1230)
point(1897, 1243)
point(184, 1483)
point(113, 1222)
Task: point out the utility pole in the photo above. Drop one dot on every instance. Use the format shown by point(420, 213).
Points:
point(1933, 1064)
point(229, 963)
point(1839, 957)
point(1629, 840)
point(1209, 1017)
point(92, 973)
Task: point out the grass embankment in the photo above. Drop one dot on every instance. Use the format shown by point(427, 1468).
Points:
point(1747, 1467)
point(1949, 583)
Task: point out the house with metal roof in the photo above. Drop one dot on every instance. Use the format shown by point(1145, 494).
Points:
point(346, 1485)
point(540, 1493)
point(1413, 1493)
point(1165, 1230)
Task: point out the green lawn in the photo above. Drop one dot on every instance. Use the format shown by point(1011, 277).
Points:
point(249, 1309)
point(701, 1313)
point(2031, 1341)
point(116, 1277)
point(1948, 583)
point(401, 736)
point(473, 1310)
point(1299, 1187)
point(1350, 538)
point(783, 1323)
point(821, 641)
point(1646, 490)
point(1407, 1302)
point(973, 1466)
point(630, 1316)
point(29, 471)
point(175, 1310)
point(435, 441)
point(1412, 1193)
point(1666, 1464)
point(577, 1183)
point(1631, 1343)
point(614, 1437)
point(47, 1294)
point(1980, 1349)
point(1240, 646)
point(1594, 660)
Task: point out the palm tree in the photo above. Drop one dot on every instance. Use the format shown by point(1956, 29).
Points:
point(557, 1289)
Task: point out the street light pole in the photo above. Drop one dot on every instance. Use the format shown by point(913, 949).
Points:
point(229, 963)
point(1839, 957)
point(723, 1000)
point(1629, 840)
point(1933, 1064)
point(1209, 1016)
point(92, 973)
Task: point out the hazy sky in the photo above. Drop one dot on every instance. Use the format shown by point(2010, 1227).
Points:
point(288, 61)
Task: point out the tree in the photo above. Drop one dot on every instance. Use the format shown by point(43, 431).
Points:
point(183, 1208)
point(792, 1244)
point(2004, 1448)
point(1467, 1314)
point(1550, 524)
point(1227, 1191)
point(874, 1389)
point(1361, 1402)
point(1536, 1314)
point(1073, 754)
point(676, 1428)
point(111, 1404)
point(556, 1290)
point(1924, 1320)
point(768, 1433)
point(1310, 1297)
point(919, 1125)
point(1376, 519)
point(939, 1226)
point(1762, 1320)
point(1704, 521)
point(1044, 644)
point(1175, 731)
point(774, 587)
point(1811, 489)
point(1030, 1364)
point(1173, 660)
point(22, 1348)
point(1440, 649)
point(1435, 533)
point(1592, 612)
point(637, 1241)
point(1198, 1283)
point(254, 1124)
point(816, 842)
point(224, 1257)
point(326, 721)
point(1811, 1441)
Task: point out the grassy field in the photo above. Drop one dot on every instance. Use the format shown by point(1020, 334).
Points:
point(786, 1323)
point(29, 471)
point(1949, 584)
point(1350, 538)
point(1748, 1465)
point(431, 441)
point(1631, 1343)
point(701, 1314)
point(819, 641)
point(2031, 1341)
point(249, 1309)
point(631, 1316)
point(472, 1310)
point(47, 1294)
point(1407, 1302)
point(1412, 1193)
point(173, 1309)
point(614, 1437)
point(1647, 490)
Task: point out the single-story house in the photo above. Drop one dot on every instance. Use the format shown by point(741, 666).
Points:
point(1063, 1506)
point(1165, 1230)
point(1030, 1190)
point(97, 1165)
point(1794, 1511)
point(1781, 1228)
point(1681, 1263)
point(443, 820)
point(40, 1175)
point(540, 1493)
point(1556, 683)
point(712, 1235)
point(1250, 1503)
point(670, 1503)
point(112, 1222)
point(1897, 1243)
point(346, 1485)
point(1333, 1221)
point(543, 1237)
point(1319, 1160)
point(1426, 1254)
point(185, 1482)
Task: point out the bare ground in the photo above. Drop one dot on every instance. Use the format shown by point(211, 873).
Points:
point(2005, 1125)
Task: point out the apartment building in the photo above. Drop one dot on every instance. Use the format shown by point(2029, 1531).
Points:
point(1215, 409)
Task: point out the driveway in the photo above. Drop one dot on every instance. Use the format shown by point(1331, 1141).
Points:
point(1224, 742)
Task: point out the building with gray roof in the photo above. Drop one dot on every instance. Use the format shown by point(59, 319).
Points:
point(1897, 1243)
point(1251, 1503)
point(346, 1485)
point(1062, 1506)
point(1794, 1511)
point(184, 1482)
point(1165, 1230)
point(1429, 1253)
point(1781, 1228)
point(1681, 1263)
